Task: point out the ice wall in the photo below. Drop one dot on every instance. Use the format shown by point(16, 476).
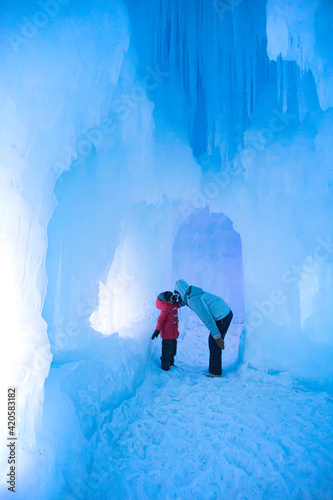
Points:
point(207, 250)
point(217, 56)
point(302, 32)
point(255, 78)
point(52, 91)
point(85, 149)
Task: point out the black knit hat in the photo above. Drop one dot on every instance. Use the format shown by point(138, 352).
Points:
point(168, 296)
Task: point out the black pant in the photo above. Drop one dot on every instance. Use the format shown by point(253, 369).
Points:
point(215, 352)
point(169, 350)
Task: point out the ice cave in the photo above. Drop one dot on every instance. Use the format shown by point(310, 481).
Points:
point(143, 143)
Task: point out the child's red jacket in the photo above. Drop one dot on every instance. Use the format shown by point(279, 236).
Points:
point(167, 322)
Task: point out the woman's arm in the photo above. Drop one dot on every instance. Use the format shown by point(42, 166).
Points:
point(199, 306)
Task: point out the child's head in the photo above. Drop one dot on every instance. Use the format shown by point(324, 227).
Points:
point(168, 296)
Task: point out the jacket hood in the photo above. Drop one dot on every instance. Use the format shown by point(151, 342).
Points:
point(182, 287)
point(195, 290)
point(161, 302)
point(161, 297)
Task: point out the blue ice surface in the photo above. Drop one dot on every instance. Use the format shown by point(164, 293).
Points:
point(151, 141)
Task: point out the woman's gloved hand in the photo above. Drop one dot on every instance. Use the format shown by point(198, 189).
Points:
point(220, 342)
point(155, 334)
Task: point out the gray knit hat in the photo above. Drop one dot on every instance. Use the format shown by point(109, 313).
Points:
point(182, 287)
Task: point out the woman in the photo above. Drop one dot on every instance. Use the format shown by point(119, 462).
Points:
point(214, 313)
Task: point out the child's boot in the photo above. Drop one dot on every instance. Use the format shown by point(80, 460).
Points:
point(165, 364)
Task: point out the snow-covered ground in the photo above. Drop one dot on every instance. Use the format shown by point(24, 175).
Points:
point(249, 435)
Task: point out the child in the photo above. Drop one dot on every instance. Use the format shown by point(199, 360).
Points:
point(167, 325)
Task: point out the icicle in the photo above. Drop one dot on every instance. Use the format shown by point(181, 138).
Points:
point(285, 87)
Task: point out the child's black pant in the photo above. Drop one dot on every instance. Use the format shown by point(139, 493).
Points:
point(215, 352)
point(169, 350)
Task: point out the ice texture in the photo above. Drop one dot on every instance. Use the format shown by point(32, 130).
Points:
point(53, 90)
point(143, 142)
point(302, 32)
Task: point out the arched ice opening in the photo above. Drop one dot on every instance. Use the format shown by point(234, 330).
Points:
point(207, 252)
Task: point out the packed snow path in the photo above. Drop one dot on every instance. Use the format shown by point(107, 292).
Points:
point(248, 435)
